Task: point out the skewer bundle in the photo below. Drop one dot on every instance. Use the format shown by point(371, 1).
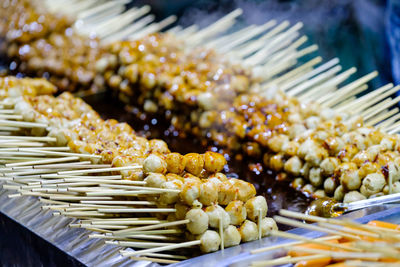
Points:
point(347, 243)
point(186, 195)
point(239, 95)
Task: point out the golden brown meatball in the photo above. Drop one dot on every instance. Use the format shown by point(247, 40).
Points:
point(194, 163)
point(214, 162)
point(237, 212)
point(175, 163)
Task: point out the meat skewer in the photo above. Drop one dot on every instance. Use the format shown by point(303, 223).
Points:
point(64, 113)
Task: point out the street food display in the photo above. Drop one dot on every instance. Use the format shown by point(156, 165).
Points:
point(241, 92)
point(187, 190)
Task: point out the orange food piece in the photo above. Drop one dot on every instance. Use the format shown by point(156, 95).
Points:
point(339, 264)
point(310, 246)
point(314, 263)
point(384, 225)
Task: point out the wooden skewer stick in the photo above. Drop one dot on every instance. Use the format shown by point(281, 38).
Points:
point(339, 255)
point(151, 227)
point(313, 227)
point(286, 260)
point(101, 170)
point(161, 248)
point(29, 138)
point(384, 118)
point(56, 153)
point(43, 161)
point(314, 241)
point(132, 210)
point(314, 72)
point(140, 244)
point(118, 202)
point(22, 124)
point(274, 247)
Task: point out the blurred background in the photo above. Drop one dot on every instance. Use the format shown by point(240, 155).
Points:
point(361, 33)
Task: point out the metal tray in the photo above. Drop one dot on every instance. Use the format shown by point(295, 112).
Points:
point(79, 250)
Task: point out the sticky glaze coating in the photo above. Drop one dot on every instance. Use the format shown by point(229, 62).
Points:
point(208, 201)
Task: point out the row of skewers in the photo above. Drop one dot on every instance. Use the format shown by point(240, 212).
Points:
point(345, 243)
point(59, 149)
point(296, 123)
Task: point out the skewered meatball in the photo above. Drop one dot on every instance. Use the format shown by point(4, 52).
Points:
point(231, 236)
point(198, 221)
point(175, 163)
point(373, 183)
point(293, 165)
point(248, 231)
point(155, 180)
point(214, 162)
point(190, 190)
point(255, 207)
point(215, 214)
point(353, 196)
point(315, 177)
point(208, 193)
point(329, 165)
point(210, 241)
point(339, 193)
point(237, 212)
point(170, 197)
point(268, 225)
point(350, 180)
point(244, 190)
point(194, 163)
point(329, 185)
point(154, 163)
point(226, 193)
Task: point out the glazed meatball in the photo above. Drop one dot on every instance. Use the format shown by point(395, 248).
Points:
point(244, 190)
point(214, 162)
point(208, 193)
point(237, 212)
point(373, 183)
point(293, 165)
point(190, 190)
point(350, 180)
point(175, 163)
point(339, 193)
point(194, 163)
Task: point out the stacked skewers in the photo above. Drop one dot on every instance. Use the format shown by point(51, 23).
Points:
point(179, 190)
point(325, 150)
point(347, 243)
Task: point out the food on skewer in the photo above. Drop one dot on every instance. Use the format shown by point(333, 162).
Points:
point(187, 187)
point(327, 152)
point(371, 243)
